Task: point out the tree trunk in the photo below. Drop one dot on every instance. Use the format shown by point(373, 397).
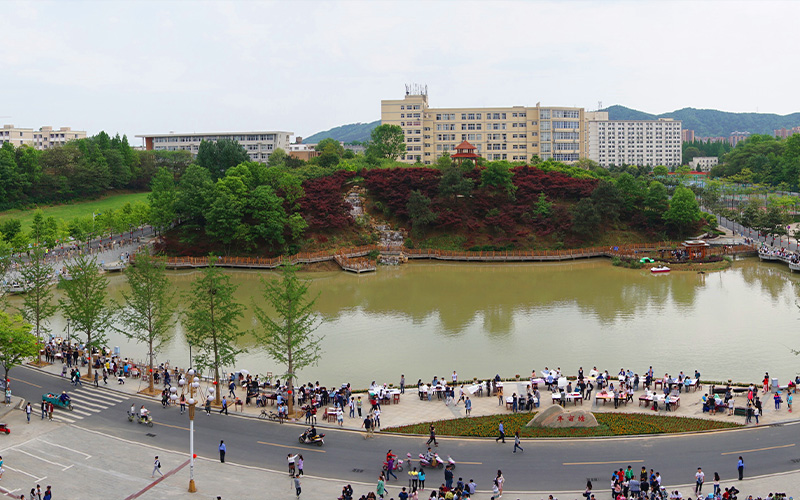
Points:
point(152, 387)
point(89, 351)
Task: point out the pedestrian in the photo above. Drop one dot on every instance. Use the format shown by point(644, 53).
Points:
point(208, 405)
point(740, 467)
point(44, 409)
point(421, 478)
point(467, 406)
point(502, 435)
point(96, 378)
point(381, 489)
point(156, 468)
point(413, 479)
point(402, 383)
point(48, 494)
point(300, 464)
point(28, 410)
point(376, 415)
point(297, 486)
point(789, 401)
point(699, 477)
point(291, 458)
point(1, 467)
point(232, 389)
point(716, 484)
point(183, 403)
point(105, 376)
point(38, 492)
point(50, 410)
point(448, 477)
point(224, 406)
point(432, 439)
point(222, 450)
point(516, 442)
point(352, 406)
point(367, 425)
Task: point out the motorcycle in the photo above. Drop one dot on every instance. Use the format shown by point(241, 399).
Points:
point(436, 463)
point(147, 419)
point(398, 466)
point(317, 439)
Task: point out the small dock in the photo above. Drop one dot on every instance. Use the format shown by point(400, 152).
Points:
point(356, 265)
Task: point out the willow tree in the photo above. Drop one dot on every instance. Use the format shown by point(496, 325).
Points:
point(289, 339)
point(148, 313)
point(85, 303)
point(37, 303)
point(211, 320)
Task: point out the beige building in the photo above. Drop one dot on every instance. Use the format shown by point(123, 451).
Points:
point(633, 142)
point(703, 163)
point(259, 145)
point(514, 133)
point(44, 138)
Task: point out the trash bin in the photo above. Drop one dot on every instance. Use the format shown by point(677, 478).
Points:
point(775, 383)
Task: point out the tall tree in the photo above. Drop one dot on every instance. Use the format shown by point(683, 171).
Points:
point(85, 303)
point(162, 199)
point(37, 303)
point(386, 141)
point(211, 319)
point(289, 338)
point(149, 309)
point(684, 212)
point(17, 341)
point(419, 211)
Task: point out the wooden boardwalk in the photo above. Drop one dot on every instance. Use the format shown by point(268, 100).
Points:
point(352, 259)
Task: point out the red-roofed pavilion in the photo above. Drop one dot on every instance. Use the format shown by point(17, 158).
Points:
point(466, 151)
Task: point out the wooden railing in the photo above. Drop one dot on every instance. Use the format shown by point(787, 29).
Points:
point(349, 256)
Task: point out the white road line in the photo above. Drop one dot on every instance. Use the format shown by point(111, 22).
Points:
point(35, 479)
point(38, 457)
point(86, 405)
point(69, 420)
point(100, 395)
point(81, 412)
point(64, 447)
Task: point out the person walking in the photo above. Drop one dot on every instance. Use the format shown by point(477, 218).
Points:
point(28, 411)
point(232, 389)
point(222, 450)
point(50, 411)
point(740, 468)
point(516, 442)
point(300, 464)
point(367, 425)
point(699, 478)
point(381, 489)
point(96, 379)
point(208, 405)
point(44, 409)
point(291, 459)
point(48, 494)
point(297, 489)
point(502, 431)
point(716, 484)
point(156, 468)
point(432, 439)
point(467, 406)
point(224, 408)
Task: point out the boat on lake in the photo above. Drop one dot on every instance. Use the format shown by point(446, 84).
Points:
point(660, 269)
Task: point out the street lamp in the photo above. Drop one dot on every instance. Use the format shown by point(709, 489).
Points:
point(194, 385)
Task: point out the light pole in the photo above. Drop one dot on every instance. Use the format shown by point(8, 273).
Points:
point(194, 385)
point(67, 331)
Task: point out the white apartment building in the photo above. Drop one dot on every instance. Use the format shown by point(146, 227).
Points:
point(513, 133)
point(703, 163)
point(259, 145)
point(633, 142)
point(44, 138)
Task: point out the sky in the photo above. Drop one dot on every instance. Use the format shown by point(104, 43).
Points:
point(306, 66)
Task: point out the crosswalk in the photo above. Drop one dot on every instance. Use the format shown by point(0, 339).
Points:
point(86, 401)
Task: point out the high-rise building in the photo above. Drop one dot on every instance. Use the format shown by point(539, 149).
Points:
point(259, 145)
point(44, 138)
point(737, 137)
point(687, 135)
point(515, 133)
point(784, 133)
point(633, 142)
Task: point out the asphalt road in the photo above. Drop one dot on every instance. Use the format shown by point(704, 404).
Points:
point(556, 465)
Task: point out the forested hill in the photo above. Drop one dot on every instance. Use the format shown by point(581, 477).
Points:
point(353, 132)
point(711, 122)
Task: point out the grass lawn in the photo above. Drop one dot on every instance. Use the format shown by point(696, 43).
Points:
point(72, 210)
point(610, 424)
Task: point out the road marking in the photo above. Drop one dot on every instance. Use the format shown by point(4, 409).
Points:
point(758, 449)
point(173, 426)
point(97, 395)
point(35, 479)
point(88, 404)
point(291, 447)
point(146, 488)
point(81, 412)
point(469, 463)
point(64, 447)
point(25, 382)
point(38, 457)
point(605, 463)
point(61, 418)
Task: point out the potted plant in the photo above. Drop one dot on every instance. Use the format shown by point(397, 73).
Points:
point(517, 377)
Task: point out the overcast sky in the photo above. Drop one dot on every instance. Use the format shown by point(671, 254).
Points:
point(306, 66)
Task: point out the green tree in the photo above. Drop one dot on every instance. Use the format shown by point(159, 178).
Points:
point(453, 183)
point(585, 218)
point(656, 202)
point(148, 312)
point(684, 212)
point(498, 177)
point(444, 161)
point(37, 303)
point(660, 171)
point(162, 199)
point(217, 157)
point(194, 195)
point(277, 158)
point(289, 338)
point(17, 340)
point(419, 211)
point(330, 145)
point(386, 141)
point(211, 321)
point(85, 302)
point(5, 264)
point(607, 200)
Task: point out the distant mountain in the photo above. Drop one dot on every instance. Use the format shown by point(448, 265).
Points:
point(354, 132)
point(711, 122)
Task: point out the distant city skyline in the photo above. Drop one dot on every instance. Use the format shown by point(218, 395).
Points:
point(144, 67)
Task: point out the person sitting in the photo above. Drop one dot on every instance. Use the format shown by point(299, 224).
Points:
point(312, 432)
point(429, 455)
point(144, 414)
point(64, 397)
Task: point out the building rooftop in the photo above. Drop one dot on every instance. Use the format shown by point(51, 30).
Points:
point(172, 134)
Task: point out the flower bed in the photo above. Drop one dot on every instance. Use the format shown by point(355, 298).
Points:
point(610, 424)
